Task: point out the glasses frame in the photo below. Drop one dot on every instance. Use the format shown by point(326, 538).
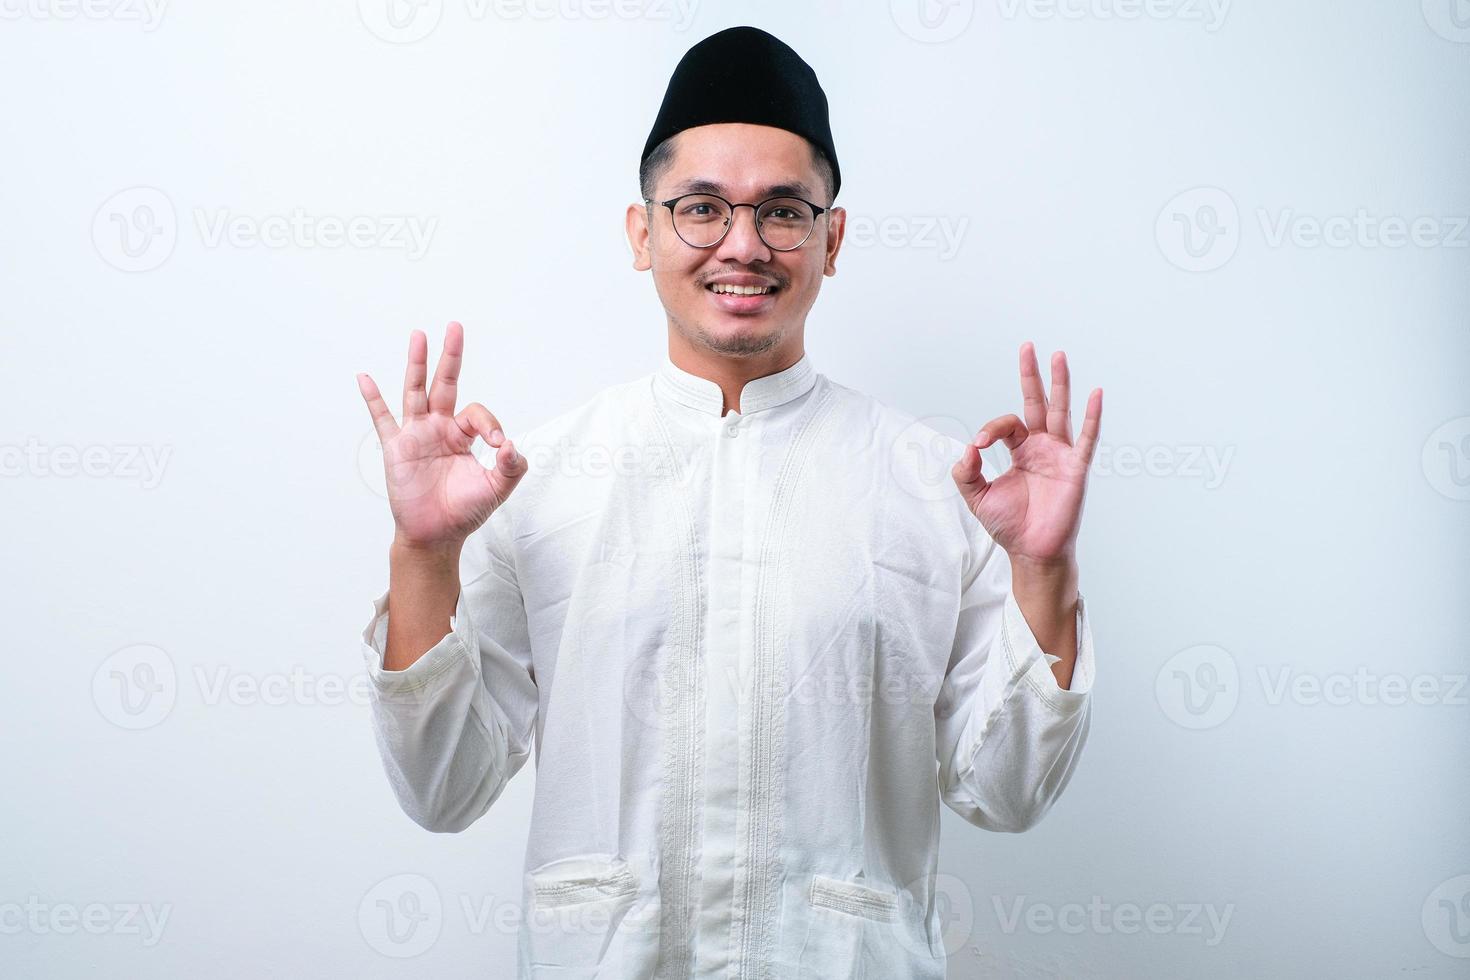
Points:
point(817, 212)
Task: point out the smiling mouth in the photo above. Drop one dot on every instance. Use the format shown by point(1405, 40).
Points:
point(727, 289)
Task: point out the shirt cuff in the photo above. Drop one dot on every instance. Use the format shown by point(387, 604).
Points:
point(457, 645)
point(1024, 654)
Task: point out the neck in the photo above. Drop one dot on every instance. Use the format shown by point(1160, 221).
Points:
point(732, 371)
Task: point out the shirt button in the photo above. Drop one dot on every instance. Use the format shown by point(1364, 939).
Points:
point(732, 429)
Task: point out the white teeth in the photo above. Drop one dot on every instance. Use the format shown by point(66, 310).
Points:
point(721, 287)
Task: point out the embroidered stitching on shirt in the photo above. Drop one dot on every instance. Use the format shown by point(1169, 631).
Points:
point(571, 891)
point(758, 893)
point(854, 899)
point(683, 739)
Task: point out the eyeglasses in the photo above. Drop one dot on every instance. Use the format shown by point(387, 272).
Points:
point(703, 220)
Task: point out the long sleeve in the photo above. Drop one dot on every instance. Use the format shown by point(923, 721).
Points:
point(456, 725)
point(1008, 737)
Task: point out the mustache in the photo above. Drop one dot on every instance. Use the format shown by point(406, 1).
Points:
point(771, 276)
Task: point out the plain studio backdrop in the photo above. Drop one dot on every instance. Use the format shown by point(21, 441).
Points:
point(1246, 221)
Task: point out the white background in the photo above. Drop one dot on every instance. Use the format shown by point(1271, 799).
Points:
point(1064, 147)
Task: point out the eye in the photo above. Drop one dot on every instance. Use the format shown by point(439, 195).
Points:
point(699, 209)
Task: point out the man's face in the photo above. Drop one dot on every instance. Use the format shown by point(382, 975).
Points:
point(742, 163)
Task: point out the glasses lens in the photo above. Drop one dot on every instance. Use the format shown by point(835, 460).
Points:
point(700, 220)
point(785, 222)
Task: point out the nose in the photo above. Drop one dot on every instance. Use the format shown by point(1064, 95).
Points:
point(742, 243)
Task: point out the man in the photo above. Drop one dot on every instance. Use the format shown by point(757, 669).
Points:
point(752, 645)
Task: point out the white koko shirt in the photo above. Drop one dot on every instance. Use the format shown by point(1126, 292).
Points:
point(753, 653)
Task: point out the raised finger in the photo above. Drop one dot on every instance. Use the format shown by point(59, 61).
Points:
point(1059, 411)
point(377, 408)
point(1091, 426)
point(415, 400)
point(1032, 394)
point(445, 390)
point(1008, 428)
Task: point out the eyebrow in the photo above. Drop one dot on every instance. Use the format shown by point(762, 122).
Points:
point(701, 185)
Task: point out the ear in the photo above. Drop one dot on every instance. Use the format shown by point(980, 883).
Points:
point(836, 225)
point(636, 225)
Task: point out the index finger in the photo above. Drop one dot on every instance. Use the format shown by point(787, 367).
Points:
point(444, 393)
point(377, 408)
point(1059, 412)
point(1032, 393)
point(1091, 425)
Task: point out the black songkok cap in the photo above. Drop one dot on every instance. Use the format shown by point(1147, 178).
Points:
point(744, 75)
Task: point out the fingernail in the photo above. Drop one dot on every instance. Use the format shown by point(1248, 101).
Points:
point(496, 436)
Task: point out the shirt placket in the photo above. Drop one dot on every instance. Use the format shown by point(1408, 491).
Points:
point(733, 536)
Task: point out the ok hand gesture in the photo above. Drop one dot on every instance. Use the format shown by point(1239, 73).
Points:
point(438, 491)
point(1034, 509)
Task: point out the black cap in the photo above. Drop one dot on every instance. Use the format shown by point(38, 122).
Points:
point(744, 75)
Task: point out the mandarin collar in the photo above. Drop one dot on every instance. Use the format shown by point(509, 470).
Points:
point(758, 394)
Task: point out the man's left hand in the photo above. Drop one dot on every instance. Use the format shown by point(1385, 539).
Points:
point(1034, 509)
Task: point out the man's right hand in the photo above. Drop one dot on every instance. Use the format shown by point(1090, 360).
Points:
point(438, 491)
